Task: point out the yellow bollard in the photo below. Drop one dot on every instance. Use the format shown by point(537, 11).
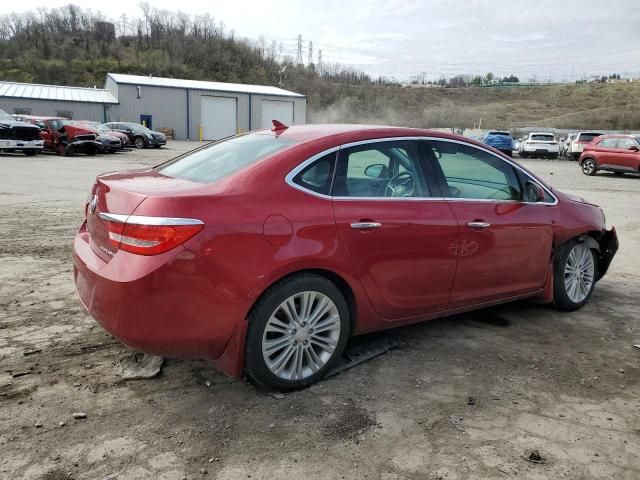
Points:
point(200, 132)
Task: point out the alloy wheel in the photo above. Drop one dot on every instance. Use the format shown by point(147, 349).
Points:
point(301, 335)
point(579, 273)
point(139, 142)
point(588, 167)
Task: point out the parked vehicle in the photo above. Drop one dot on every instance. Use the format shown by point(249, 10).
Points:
point(516, 145)
point(139, 135)
point(19, 136)
point(612, 153)
point(108, 143)
point(578, 142)
point(539, 144)
point(263, 253)
point(500, 141)
point(104, 129)
point(64, 136)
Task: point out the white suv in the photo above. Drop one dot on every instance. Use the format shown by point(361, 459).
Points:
point(539, 144)
point(578, 142)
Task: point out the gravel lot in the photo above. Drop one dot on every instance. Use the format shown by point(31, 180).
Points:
point(566, 385)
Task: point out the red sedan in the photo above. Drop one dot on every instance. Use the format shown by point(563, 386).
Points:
point(265, 252)
point(612, 153)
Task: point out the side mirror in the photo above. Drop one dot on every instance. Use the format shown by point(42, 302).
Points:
point(533, 192)
point(377, 170)
point(634, 148)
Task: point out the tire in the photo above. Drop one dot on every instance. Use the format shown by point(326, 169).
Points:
point(294, 338)
point(574, 253)
point(618, 174)
point(553, 156)
point(138, 142)
point(30, 153)
point(588, 166)
point(524, 155)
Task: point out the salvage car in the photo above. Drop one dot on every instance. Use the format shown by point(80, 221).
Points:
point(611, 153)
point(540, 144)
point(139, 135)
point(502, 141)
point(65, 137)
point(265, 252)
point(18, 136)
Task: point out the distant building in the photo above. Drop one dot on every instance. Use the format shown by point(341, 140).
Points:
point(191, 108)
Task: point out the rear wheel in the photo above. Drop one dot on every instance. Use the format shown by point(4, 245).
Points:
point(589, 167)
point(575, 273)
point(297, 331)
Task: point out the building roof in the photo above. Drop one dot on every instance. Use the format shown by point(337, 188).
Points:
point(56, 92)
point(201, 85)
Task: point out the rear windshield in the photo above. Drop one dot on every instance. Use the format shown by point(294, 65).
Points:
point(543, 138)
point(587, 137)
point(505, 134)
point(221, 159)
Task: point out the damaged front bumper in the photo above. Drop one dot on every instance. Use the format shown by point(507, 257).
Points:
point(608, 242)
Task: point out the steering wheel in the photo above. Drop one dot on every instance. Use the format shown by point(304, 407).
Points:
point(401, 185)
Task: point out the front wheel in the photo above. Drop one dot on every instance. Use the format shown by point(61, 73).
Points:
point(575, 273)
point(589, 167)
point(139, 142)
point(297, 332)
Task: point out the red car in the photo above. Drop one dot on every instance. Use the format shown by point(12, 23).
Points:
point(612, 153)
point(65, 137)
point(263, 253)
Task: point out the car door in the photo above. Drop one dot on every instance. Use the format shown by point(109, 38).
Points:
point(605, 150)
point(626, 155)
point(399, 235)
point(505, 243)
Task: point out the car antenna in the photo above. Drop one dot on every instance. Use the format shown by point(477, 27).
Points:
point(277, 126)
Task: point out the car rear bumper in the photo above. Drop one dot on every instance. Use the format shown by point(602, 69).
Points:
point(544, 149)
point(163, 304)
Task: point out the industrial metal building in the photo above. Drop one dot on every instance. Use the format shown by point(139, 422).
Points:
point(193, 109)
point(57, 101)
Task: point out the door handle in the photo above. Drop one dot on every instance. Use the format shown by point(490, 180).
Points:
point(365, 225)
point(478, 225)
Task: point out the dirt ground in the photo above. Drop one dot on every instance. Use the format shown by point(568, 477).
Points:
point(565, 384)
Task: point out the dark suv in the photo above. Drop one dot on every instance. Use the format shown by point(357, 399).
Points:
point(139, 135)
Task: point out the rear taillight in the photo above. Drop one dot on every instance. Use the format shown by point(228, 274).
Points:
point(149, 235)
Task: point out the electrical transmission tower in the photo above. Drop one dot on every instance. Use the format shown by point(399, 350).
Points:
point(310, 60)
point(319, 66)
point(299, 54)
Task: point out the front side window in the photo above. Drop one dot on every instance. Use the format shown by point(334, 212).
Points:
point(625, 143)
point(221, 159)
point(386, 169)
point(608, 143)
point(475, 174)
point(317, 177)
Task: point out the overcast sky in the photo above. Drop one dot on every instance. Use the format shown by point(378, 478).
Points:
point(558, 39)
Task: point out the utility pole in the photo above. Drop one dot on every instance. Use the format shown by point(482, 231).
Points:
point(299, 54)
point(310, 60)
point(319, 62)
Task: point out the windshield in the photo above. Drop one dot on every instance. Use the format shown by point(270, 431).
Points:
point(543, 137)
point(5, 117)
point(223, 158)
point(137, 127)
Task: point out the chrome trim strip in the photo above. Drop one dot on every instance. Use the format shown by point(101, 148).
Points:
point(154, 221)
point(296, 170)
point(365, 225)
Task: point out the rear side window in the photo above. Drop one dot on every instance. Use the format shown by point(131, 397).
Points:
point(625, 143)
point(608, 143)
point(221, 159)
point(317, 177)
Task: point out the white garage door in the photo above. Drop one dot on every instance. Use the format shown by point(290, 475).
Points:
point(276, 110)
point(218, 117)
